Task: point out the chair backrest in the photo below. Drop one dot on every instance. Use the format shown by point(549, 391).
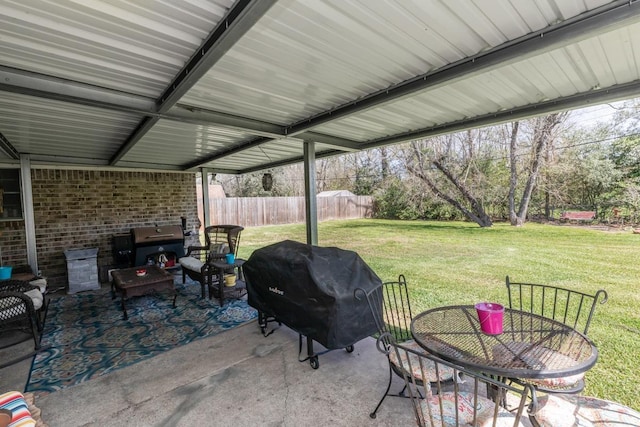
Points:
point(218, 235)
point(475, 399)
point(573, 308)
point(390, 307)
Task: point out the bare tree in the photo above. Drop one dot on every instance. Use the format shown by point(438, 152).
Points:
point(463, 199)
point(513, 176)
point(543, 134)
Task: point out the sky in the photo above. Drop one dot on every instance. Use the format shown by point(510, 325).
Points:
point(590, 116)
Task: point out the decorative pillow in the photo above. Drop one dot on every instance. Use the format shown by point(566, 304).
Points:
point(444, 372)
point(583, 411)
point(20, 416)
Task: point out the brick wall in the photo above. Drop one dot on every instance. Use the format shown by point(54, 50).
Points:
point(83, 209)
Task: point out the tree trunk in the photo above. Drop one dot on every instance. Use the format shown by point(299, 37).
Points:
point(542, 135)
point(384, 162)
point(513, 178)
point(479, 215)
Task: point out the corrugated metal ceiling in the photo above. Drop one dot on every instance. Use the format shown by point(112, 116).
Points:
point(238, 86)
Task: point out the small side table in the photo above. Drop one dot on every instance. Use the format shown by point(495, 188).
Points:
point(236, 291)
point(129, 284)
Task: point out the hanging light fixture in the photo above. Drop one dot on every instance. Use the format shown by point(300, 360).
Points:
point(267, 182)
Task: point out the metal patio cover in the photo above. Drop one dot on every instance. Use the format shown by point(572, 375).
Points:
point(237, 87)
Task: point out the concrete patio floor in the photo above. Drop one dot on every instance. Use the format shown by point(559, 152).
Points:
point(236, 378)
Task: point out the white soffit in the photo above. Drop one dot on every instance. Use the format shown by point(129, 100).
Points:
point(133, 46)
point(174, 143)
point(304, 66)
point(307, 57)
point(53, 129)
point(272, 152)
point(607, 60)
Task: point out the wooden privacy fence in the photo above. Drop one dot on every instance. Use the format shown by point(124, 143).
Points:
point(256, 211)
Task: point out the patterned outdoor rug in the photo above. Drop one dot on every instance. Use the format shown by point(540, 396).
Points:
point(88, 337)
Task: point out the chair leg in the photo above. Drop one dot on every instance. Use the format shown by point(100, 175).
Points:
point(386, 393)
point(35, 331)
point(42, 314)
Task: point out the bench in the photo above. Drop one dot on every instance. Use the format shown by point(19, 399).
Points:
point(577, 216)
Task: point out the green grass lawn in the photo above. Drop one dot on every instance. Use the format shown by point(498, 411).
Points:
point(460, 263)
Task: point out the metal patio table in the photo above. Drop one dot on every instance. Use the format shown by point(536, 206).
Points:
point(530, 346)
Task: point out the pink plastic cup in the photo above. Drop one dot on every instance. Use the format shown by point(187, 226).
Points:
point(490, 315)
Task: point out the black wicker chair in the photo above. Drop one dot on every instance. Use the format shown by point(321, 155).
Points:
point(573, 308)
point(22, 314)
point(219, 241)
point(390, 307)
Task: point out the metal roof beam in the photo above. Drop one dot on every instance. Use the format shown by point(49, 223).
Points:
point(616, 93)
point(240, 18)
point(47, 87)
point(225, 153)
point(600, 20)
point(341, 145)
point(198, 116)
point(581, 100)
point(285, 162)
point(54, 88)
point(7, 148)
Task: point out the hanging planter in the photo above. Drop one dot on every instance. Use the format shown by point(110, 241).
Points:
point(267, 182)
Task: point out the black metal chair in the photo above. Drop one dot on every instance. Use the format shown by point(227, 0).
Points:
point(219, 241)
point(390, 307)
point(478, 400)
point(572, 308)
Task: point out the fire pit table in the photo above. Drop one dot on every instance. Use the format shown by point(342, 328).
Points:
point(130, 283)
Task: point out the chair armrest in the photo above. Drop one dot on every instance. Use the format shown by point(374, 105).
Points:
point(16, 286)
point(8, 303)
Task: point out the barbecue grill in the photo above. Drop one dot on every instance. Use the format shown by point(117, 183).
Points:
point(311, 290)
point(149, 243)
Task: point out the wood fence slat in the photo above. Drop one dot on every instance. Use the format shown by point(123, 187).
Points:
point(257, 211)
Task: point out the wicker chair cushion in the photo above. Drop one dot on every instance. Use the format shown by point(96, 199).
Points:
point(20, 415)
point(558, 383)
point(36, 297)
point(444, 373)
point(569, 411)
point(536, 359)
point(484, 411)
point(41, 283)
point(191, 263)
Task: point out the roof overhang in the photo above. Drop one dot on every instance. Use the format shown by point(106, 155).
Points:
point(237, 87)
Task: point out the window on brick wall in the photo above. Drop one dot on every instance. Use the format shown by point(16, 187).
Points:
point(10, 197)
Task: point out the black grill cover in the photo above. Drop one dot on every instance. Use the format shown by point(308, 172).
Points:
point(310, 289)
